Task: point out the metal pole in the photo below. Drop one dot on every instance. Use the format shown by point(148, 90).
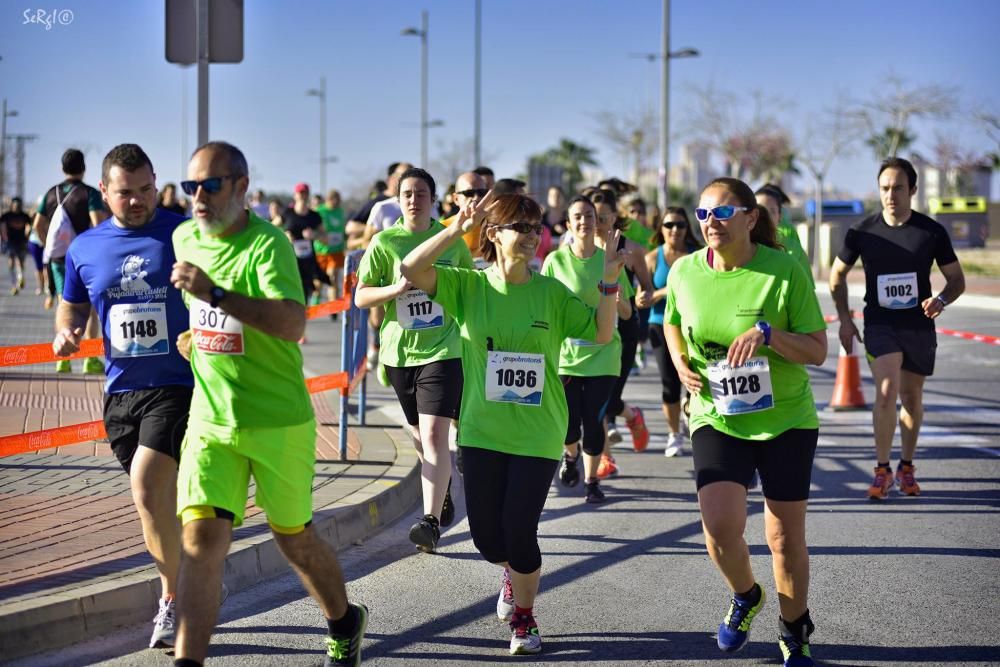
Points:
point(202, 72)
point(479, 88)
point(322, 135)
point(817, 221)
point(665, 110)
point(184, 121)
point(347, 365)
point(3, 152)
point(423, 89)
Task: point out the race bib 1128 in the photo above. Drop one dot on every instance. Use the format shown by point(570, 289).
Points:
point(747, 388)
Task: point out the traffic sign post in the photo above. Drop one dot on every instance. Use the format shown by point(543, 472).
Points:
point(202, 32)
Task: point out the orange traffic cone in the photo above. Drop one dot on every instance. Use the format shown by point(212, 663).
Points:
point(847, 387)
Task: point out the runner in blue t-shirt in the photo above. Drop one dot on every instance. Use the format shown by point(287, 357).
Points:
point(121, 268)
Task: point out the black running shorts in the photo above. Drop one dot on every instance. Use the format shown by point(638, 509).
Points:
point(154, 418)
point(431, 389)
point(784, 463)
point(919, 346)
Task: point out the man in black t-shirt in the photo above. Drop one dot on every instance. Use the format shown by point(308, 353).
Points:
point(85, 207)
point(302, 224)
point(14, 228)
point(897, 248)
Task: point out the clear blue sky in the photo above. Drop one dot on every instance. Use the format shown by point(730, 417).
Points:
point(548, 65)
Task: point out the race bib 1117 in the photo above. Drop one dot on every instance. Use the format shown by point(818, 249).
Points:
point(415, 310)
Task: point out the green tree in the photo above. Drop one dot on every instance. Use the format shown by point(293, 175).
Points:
point(889, 142)
point(572, 157)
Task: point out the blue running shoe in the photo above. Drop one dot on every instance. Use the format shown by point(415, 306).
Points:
point(734, 631)
point(795, 650)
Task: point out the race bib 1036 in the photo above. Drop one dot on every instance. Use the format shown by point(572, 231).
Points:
point(515, 377)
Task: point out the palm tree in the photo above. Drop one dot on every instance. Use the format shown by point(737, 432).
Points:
point(571, 157)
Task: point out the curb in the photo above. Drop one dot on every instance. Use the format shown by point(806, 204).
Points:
point(982, 301)
point(58, 620)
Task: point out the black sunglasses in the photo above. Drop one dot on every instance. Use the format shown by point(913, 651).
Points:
point(674, 225)
point(523, 228)
point(474, 192)
point(210, 185)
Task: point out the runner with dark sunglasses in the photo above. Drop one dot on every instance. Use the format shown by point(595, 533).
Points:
point(514, 414)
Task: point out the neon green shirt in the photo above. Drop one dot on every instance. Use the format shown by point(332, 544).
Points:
point(640, 233)
point(789, 237)
point(512, 399)
point(242, 376)
point(415, 330)
point(713, 307)
point(333, 225)
point(581, 276)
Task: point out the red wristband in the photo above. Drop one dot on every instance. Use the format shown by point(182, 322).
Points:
point(608, 289)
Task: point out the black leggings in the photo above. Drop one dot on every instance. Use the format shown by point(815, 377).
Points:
point(668, 374)
point(629, 331)
point(587, 400)
point(504, 497)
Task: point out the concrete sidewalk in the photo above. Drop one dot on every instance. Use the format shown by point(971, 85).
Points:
point(73, 564)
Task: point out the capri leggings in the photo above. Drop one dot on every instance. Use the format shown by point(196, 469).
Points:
point(587, 400)
point(669, 379)
point(504, 497)
point(629, 331)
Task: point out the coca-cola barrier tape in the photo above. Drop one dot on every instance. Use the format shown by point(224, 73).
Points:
point(40, 353)
point(76, 433)
point(964, 335)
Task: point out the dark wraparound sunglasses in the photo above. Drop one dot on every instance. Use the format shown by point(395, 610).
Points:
point(475, 192)
point(210, 185)
point(523, 228)
point(675, 225)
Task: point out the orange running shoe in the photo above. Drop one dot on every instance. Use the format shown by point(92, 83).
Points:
point(640, 434)
point(607, 467)
point(879, 490)
point(905, 481)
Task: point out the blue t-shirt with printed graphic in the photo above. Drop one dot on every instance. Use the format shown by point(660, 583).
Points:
point(125, 274)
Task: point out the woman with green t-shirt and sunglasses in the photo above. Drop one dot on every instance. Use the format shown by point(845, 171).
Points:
point(741, 320)
point(513, 418)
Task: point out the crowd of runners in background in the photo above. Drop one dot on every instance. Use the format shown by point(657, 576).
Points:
point(508, 324)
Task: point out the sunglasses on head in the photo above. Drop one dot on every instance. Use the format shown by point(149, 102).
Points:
point(523, 228)
point(718, 212)
point(675, 225)
point(473, 192)
point(209, 185)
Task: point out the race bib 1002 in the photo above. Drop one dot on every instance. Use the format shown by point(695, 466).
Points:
point(736, 391)
point(214, 331)
point(138, 330)
point(415, 310)
point(515, 377)
point(897, 291)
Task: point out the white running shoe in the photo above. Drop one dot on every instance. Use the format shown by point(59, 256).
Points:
point(164, 626)
point(614, 436)
point(505, 601)
point(675, 445)
point(524, 637)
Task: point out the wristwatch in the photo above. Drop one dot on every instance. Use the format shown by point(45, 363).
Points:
point(765, 328)
point(218, 294)
point(941, 299)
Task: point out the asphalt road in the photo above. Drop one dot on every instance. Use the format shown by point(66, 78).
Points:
point(912, 581)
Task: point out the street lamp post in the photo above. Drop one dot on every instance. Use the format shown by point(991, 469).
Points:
point(3, 147)
point(321, 94)
point(479, 87)
point(422, 34)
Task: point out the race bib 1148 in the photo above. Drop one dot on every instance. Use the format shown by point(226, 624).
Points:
point(138, 330)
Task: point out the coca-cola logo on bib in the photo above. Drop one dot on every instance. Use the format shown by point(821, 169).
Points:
point(217, 342)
